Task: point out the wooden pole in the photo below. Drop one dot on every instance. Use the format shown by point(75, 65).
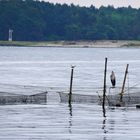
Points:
point(71, 83)
point(104, 90)
point(122, 91)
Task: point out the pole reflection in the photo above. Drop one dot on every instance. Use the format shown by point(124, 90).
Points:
point(104, 126)
point(70, 117)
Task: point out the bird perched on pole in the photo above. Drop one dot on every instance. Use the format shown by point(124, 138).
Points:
point(113, 79)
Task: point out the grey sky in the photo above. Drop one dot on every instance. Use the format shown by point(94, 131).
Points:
point(98, 3)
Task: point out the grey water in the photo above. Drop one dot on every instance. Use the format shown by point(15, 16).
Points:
point(50, 68)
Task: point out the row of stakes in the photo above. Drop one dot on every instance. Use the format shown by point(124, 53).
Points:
point(104, 86)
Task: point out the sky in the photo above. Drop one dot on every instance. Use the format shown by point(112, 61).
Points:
point(98, 3)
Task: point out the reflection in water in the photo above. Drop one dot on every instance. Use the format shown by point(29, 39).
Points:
point(105, 138)
point(104, 126)
point(112, 124)
point(70, 117)
point(105, 131)
point(70, 109)
point(49, 66)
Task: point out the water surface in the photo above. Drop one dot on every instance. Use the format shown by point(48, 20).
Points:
point(50, 68)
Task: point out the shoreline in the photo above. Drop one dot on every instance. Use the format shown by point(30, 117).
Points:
point(74, 44)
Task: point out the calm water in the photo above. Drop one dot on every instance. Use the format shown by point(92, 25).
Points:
point(50, 68)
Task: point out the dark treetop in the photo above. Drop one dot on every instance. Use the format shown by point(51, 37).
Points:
point(39, 21)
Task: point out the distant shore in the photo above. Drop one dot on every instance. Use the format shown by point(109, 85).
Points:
point(75, 44)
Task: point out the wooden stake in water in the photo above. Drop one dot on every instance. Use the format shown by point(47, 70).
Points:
point(71, 83)
point(123, 86)
point(104, 90)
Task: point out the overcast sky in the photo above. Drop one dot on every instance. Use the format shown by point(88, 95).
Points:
point(98, 3)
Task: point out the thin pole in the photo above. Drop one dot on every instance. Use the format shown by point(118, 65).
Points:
point(122, 91)
point(71, 83)
point(104, 90)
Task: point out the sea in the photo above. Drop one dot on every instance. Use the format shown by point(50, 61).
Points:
point(50, 67)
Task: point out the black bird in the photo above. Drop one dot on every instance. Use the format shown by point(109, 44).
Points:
point(113, 79)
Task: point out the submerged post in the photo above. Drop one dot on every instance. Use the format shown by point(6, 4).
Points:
point(122, 91)
point(104, 90)
point(71, 83)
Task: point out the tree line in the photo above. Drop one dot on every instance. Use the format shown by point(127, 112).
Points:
point(33, 20)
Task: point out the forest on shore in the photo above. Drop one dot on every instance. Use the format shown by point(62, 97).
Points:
point(33, 20)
